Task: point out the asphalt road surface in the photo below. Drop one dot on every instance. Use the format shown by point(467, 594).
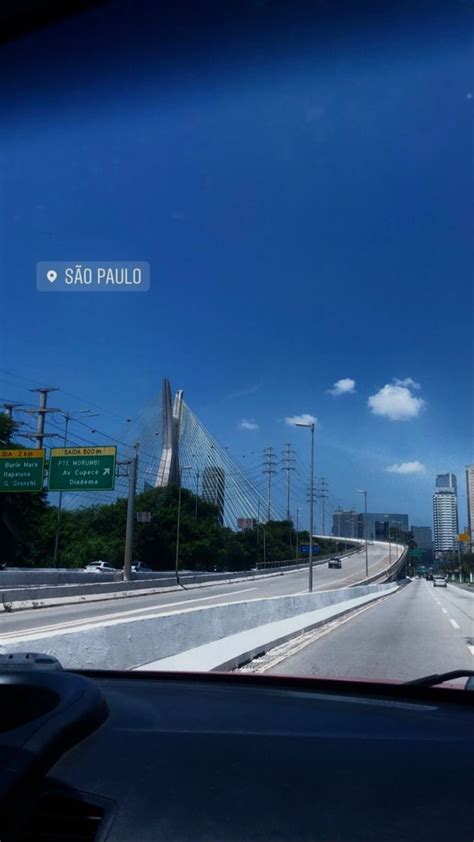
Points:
point(14, 626)
point(417, 631)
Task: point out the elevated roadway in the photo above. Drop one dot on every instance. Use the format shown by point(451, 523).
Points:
point(18, 624)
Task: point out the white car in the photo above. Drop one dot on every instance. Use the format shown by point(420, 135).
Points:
point(100, 567)
point(440, 582)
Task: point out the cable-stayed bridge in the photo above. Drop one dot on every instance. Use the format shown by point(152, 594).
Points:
point(174, 444)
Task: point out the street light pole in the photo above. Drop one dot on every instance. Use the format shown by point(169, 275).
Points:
point(310, 425)
point(359, 491)
point(178, 523)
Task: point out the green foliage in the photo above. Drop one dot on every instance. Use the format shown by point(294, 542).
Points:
point(21, 515)
point(7, 429)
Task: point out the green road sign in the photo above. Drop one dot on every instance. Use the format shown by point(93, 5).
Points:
point(82, 469)
point(21, 470)
point(416, 553)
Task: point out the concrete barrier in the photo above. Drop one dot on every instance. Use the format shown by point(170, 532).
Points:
point(43, 594)
point(127, 643)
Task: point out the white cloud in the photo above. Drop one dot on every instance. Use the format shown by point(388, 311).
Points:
point(414, 467)
point(249, 424)
point(395, 402)
point(407, 381)
point(293, 420)
point(345, 386)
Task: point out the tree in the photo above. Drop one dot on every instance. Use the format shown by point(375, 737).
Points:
point(21, 513)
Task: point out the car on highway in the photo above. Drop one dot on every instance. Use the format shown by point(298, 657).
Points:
point(140, 567)
point(440, 581)
point(335, 563)
point(99, 567)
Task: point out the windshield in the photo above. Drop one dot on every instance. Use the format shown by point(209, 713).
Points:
point(236, 337)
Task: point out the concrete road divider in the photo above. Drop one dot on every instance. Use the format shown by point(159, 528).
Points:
point(128, 643)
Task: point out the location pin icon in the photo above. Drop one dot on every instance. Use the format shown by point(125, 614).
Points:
point(51, 276)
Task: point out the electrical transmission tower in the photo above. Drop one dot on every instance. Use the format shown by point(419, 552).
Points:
point(288, 465)
point(269, 467)
point(322, 495)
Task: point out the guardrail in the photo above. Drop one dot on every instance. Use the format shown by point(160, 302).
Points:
point(302, 561)
point(388, 574)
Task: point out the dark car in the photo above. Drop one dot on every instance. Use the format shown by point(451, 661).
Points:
point(335, 563)
point(140, 567)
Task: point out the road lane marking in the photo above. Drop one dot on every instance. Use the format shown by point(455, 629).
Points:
point(284, 651)
point(454, 624)
point(471, 648)
point(112, 616)
point(444, 610)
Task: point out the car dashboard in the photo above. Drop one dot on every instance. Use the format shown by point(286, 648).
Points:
point(238, 757)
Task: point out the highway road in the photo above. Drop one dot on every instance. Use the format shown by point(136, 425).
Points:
point(417, 631)
point(17, 625)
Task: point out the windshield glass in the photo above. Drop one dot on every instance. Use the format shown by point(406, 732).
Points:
point(236, 337)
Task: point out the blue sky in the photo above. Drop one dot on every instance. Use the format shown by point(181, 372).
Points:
point(307, 216)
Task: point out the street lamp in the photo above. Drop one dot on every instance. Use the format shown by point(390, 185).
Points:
point(360, 491)
point(184, 468)
point(310, 425)
point(68, 416)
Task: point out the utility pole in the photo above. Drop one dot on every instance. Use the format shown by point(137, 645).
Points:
point(269, 467)
point(132, 490)
point(310, 425)
point(322, 495)
point(41, 412)
point(8, 406)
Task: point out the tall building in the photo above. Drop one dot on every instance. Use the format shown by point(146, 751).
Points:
point(345, 523)
point(378, 525)
point(448, 481)
point(213, 488)
point(470, 499)
point(445, 513)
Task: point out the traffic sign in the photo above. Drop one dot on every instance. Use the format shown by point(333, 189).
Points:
point(416, 553)
point(82, 468)
point(143, 517)
point(304, 549)
point(21, 470)
point(464, 536)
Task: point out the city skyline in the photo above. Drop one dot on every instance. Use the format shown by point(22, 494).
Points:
point(444, 479)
